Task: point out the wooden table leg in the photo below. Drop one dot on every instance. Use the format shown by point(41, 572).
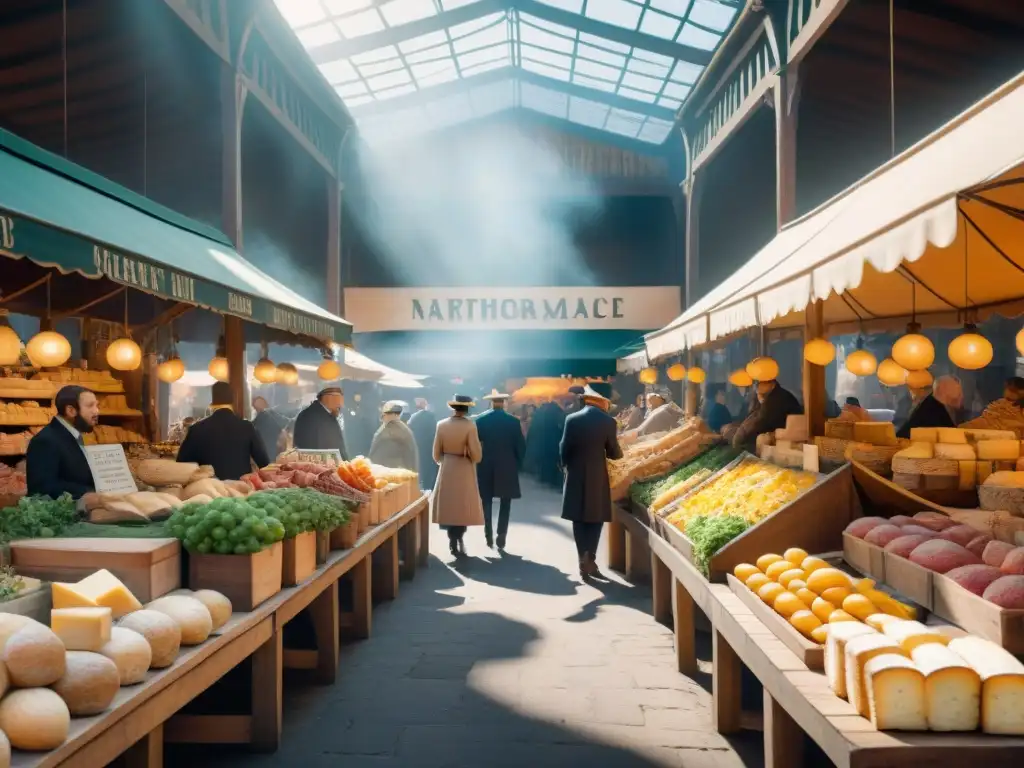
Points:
point(616, 546)
point(685, 629)
point(324, 612)
point(661, 591)
point(424, 524)
point(409, 545)
point(727, 670)
point(385, 569)
point(267, 694)
point(362, 600)
point(148, 752)
point(783, 739)
point(638, 559)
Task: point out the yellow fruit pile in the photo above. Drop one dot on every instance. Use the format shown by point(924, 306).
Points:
point(810, 594)
point(753, 490)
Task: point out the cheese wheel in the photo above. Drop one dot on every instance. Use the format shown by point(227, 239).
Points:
point(192, 617)
point(89, 683)
point(217, 604)
point(34, 719)
point(161, 632)
point(34, 657)
point(130, 652)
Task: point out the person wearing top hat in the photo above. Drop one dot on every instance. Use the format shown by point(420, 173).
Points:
point(588, 441)
point(423, 424)
point(224, 440)
point(497, 474)
point(455, 502)
point(394, 444)
point(317, 427)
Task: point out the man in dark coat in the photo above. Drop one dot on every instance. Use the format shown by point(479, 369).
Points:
point(317, 427)
point(932, 406)
point(224, 440)
point(56, 460)
point(269, 425)
point(423, 424)
point(497, 474)
point(546, 430)
point(774, 405)
point(589, 440)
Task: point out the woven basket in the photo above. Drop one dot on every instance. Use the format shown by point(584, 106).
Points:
point(877, 458)
point(998, 497)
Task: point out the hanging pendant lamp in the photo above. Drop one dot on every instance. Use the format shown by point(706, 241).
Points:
point(819, 352)
point(860, 362)
point(10, 344)
point(970, 350)
point(676, 372)
point(48, 349)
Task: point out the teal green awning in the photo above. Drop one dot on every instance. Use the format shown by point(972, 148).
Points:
point(57, 214)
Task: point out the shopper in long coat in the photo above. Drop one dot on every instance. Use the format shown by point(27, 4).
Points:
point(589, 439)
point(501, 436)
point(455, 502)
point(394, 444)
point(423, 424)
point(317, 426)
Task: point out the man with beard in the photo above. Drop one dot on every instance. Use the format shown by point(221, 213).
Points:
point(423, 424)
point(56, 460)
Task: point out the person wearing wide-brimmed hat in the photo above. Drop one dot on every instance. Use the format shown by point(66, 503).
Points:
point(317, 427)
point(394, 444)
point(455, 502)
point(588, 441)
point(501, 436)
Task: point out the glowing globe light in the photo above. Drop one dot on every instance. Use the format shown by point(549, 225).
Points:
point(48, 349)
point(265, 371)
point(329, 370)
point(913, 351)
point(170, 370)
point(763, 369)
point(649, 376)
point(287, 374)
point(219, 368)
point(891, 373)
point(819, 352)
point(676, 372)
point(696, 375)
point(740, 378)
point(124, 355)
point(860, 362)
point(919, 379)
point(10, 346)
point(970, 350)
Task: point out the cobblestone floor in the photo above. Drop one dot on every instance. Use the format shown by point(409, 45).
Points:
point(504, 661)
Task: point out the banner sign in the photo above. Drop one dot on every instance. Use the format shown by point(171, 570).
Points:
point(49, 247)
point(481, 309)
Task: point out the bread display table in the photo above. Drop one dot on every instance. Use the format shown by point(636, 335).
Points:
point(144, 716)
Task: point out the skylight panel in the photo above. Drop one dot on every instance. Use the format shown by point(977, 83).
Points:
point(555, 73)
point(539, 37)
point(377, 54)
point(669, 103)
point(621, 13)
point(434, 73)
point(355, 101)
point(647, 68)
point(438, 53)
point(644, 96)
point(598, 54)
point(497, 34)
point(711, 15)
point(587, 112)
point(655, 131)
point(359, 24)
point(450, 5)
point(482, 56)
point(591, 69)
point(676, 90)
point(601, 42)
point(476, 24)
point(300, 13)
point(685, 72)
point(423, 41)
point(543, 100)
point(390, 80)
point(546, 57)
point(624, 122)
point(698, 38)
point(641, 82)
point(398, 12)
point(652, 57)
point(339, 71)
point(340, 7)
point(593, 82)
point(659, 25)
point(351, 89)
point(391, 93)
point(380, 68)
point(321, 34)
point(573, 6)
point(487, 66)
point(558, 29)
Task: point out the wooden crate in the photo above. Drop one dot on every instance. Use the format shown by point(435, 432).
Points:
point(809, 652)
point(977, 615)
point(298, 558)
point(909, 579)
point(323, 546)
point(866, 558)
point(362, 515)
point(376, 497)
point(34, 601)
point(345, 536)
point(245, 580)
point(149, 568)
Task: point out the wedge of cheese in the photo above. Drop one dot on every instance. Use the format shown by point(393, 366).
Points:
point(81, 629)
point(859, 651)
point(910, 634)
point(874, 432)
point(968, 475)
point(895, 693)
point(955, 451)
point(952, 690)
point(951, 435)
point(918, 450)
point(990, 434)
point(1002, 684)
point(924, 434)
point(999, 450)
point(839, 634)
point(101, 590)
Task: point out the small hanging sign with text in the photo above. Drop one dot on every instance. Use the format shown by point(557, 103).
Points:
point(110, 470)
point(325, 457)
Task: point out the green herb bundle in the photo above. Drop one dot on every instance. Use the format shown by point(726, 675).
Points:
point(714, 459)
point(710, 534)
point(37, 517)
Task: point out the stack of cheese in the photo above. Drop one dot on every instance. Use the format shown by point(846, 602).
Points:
point(76, 666)
point(905, 676)
point(941, 458)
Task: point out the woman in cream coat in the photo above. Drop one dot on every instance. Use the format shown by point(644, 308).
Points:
point(455, 502)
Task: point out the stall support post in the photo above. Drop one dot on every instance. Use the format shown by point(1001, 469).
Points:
point(690, 389)
point(694, 192)
point(814, 375)
point(786, 103)
point(234, 349)
point(334, 190)
point(232, 103)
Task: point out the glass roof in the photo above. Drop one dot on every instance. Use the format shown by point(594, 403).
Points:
point(619, 66)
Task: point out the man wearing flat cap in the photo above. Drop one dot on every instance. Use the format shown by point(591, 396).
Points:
point(497, 474)
point(394, 444)
point(317, 427)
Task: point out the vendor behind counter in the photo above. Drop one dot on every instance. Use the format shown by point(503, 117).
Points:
point(773, 406)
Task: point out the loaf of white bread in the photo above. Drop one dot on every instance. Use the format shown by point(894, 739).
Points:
point(839, 634)
point(952, 689)
point(895, 690)
point(859, 651)
point(1002, 684)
